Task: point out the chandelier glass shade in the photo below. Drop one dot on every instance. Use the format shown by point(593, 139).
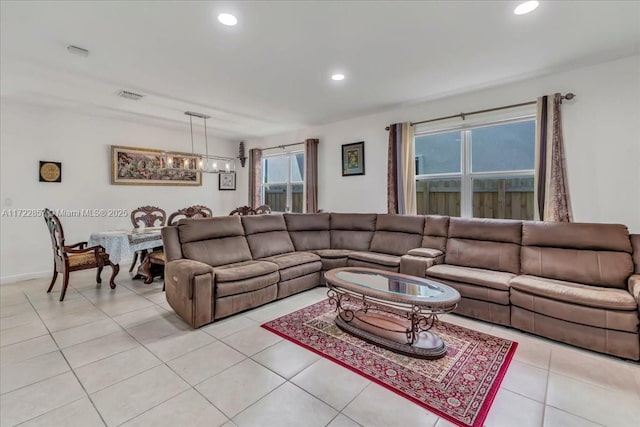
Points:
point(205, 163)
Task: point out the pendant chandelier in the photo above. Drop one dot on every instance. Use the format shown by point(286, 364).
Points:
point(205, 163)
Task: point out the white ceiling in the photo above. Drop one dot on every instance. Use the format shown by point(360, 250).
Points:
point(271, 72)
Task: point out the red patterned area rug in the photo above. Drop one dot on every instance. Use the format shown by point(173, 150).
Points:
point(459, 387)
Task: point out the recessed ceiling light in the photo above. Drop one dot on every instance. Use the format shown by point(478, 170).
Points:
point(227, 19)
point(526, 7)
point(337, 77)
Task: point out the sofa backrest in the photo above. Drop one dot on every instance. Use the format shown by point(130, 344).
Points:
point(397, 234)
point(352, 231)
point(309, 231)
point(214, 241)
point(593, 254)
point(635, 243)
point(436, 230)
point(267, 235)
point(484, 243)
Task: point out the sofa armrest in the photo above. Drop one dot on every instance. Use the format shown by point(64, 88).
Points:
point(425, 252)
point(415, 265)
point(634, 287)
point(190, 290)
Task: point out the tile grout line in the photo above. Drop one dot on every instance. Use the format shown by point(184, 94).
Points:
point(71, 369)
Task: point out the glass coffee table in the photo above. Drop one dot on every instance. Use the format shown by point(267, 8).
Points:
point(392, 310)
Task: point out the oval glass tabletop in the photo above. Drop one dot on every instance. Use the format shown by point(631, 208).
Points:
point(418, 288)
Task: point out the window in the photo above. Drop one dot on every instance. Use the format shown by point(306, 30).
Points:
point(481, 172)
point(283, 186)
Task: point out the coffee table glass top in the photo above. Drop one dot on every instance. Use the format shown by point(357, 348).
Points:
point(418, 288)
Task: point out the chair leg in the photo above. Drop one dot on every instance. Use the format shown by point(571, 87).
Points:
point(65, 284)
point(146, 267)
point(115, 268)
point(135, 259)
point(98, 273)
point(53, 281)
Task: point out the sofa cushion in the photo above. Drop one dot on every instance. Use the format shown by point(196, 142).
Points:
point(193, 230)
point(310, 240)
point(425, 252)
point(332, 253)
point(267, 235)
point(436, 230)
point(219, 251)
point(591, 267)
point(242, 287)
point(389, 242)
point(308, 222)
point(634, 287)
point(291, 259)
point(352, 231)
point(493, 230)
point(575, 293)
point(300, 270)
point(475, 276)
point(596, 237)
point(244, 270)
point(376, 258)
point(483, 254)
point(309, 231)
point(397, 234)
point(263, 223)
point(411, 224)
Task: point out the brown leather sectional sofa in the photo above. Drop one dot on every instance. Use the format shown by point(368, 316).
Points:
point(576, 283)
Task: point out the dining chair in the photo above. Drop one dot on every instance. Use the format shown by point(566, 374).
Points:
point(68, 258)
point(263, 209)
point(153, 264)
point(242, 210)
point(146, 216)
point(195, 211)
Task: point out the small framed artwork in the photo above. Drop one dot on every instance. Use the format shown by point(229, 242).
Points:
point(227, 181)
point(50, 171)
point(353, 159)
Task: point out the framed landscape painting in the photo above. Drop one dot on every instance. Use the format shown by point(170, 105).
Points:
point(143, 166)
point(353, 159)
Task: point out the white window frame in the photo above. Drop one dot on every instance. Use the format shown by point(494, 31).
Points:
point(466, 173)
point(289, 183)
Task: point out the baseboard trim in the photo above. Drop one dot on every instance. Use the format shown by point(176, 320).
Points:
point(25, 276)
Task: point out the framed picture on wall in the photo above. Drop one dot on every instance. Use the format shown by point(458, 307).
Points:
point(144, 166)
point(227, 181)
point(353, 159)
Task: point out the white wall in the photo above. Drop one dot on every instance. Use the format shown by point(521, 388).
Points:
point(601, 129)
point(82, 143)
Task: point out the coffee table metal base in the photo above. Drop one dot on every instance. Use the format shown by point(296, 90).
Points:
point(427, 346)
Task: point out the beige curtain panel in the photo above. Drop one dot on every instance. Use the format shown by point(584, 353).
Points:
point(552, 187)
point(401, 174)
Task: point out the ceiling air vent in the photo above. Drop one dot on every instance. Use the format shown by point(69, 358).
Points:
point(129, 95)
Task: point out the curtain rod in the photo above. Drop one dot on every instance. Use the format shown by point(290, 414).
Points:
point(281, 146)
point(488, 110)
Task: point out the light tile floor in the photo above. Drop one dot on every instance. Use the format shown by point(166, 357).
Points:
point(123, 357)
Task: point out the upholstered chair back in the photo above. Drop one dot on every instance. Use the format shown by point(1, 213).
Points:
point(397, 234)
point(490, 244)
point(214, 241)
point(309, 231)
point(436, 230)
point(352, 231)
point(592, 254)
point(267, 235)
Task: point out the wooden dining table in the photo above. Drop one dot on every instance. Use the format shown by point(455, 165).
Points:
point(120, 244)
